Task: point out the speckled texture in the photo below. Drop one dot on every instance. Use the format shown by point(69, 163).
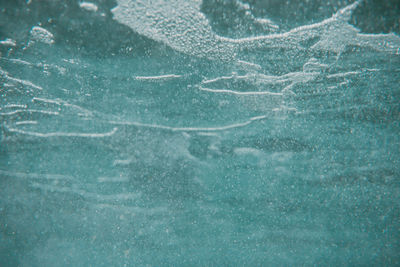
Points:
point(213, 133)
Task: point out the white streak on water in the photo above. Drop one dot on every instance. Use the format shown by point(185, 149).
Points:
point(207, 134)
point(58, 101)
point(226, 91)
point(24, 82)
point(86, 112)
point(342, 75)
point(311, 70)
point(25, 122)
point(18, 61)
point(158, 78)
point(45, 100)
point(15, 106)
point(29, 111)
point(190, 129)
point(262, 79)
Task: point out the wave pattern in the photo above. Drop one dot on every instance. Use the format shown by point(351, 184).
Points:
point(278, 149)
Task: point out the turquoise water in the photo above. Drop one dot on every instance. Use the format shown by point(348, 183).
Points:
point(189, 133)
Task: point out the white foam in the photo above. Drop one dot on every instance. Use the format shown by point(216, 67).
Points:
point(88, 6)
point(40, 34)
point(181, 25)
point(8, 42)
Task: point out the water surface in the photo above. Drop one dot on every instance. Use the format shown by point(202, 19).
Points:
point(199, 133)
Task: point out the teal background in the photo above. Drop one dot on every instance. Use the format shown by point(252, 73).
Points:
point(314, 183)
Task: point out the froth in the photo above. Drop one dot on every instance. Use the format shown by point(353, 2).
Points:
point(179, 24)
point(182, 26)
point(40, 34)
point(88, 6)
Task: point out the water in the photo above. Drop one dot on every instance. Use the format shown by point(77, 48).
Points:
point(189, 133)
